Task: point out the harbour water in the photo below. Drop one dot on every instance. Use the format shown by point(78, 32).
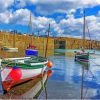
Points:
point(74, 80)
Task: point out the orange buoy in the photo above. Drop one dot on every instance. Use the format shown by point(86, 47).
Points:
point(49, 64)
point(49, 73)
point(8, 89)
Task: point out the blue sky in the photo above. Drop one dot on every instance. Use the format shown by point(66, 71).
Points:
point(65, 16)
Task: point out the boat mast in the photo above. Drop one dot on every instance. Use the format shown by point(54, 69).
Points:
point(90, 44)
point(30, 26)
point(83, 29)
point(47, 40)
point(14, 34)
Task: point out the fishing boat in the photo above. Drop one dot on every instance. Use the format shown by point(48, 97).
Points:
point(82, 56)
point(15, 71)
point(18, 70)
point(84, 63)
point(9, 49)
point(31, 49)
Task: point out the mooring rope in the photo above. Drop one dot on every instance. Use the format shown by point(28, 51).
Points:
point(95, 63)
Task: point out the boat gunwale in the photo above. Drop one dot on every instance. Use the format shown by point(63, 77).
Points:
point(28, 66)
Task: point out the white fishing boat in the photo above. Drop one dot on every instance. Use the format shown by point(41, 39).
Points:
point(18, 70)
point(9, 49)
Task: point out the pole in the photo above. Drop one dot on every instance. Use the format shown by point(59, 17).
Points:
point(15, 31)
point(84, 29)
point(14, 39)
point(46, 55)
point(30, 26)
point(47, 41)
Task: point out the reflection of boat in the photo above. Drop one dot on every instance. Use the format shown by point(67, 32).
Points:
point(19, 70)
point(82, 56)
point(85, 64)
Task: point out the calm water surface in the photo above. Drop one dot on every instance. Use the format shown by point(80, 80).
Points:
point(72, 50)
point(74, 80)
point(84, 76)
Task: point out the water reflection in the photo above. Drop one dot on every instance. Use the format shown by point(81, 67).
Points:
point(84, 75)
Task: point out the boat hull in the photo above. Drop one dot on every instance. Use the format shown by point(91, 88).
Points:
point(27, 74)
point(82, 57)
point(8, 49)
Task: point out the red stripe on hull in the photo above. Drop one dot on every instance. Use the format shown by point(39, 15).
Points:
point(82, 60)
point(7, 85)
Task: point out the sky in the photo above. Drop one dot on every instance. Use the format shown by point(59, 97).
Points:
point(64, 16)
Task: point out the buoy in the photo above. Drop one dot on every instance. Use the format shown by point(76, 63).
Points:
point(49, 73)
point(49, 64)
point(8, 89)
point(16, 73)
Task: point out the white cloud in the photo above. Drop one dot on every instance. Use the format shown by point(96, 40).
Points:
point(74, 27)
point(20, 16)
point(48, 6)
point(66, 27)
point(20, 3)
point(5, 17)
point(45, 7)
point(4, 4)
point(23, 3)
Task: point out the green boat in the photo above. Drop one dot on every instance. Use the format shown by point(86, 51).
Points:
point(82, 56)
